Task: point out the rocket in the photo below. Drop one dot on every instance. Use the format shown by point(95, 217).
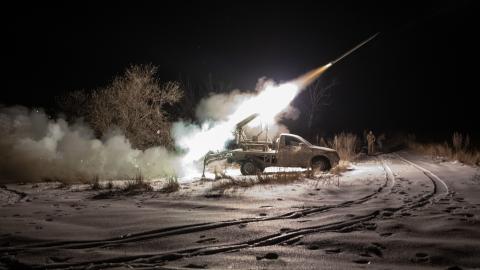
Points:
point(304, 80)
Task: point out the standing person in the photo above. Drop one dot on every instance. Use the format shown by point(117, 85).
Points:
point(380, 140)
point(371, 142)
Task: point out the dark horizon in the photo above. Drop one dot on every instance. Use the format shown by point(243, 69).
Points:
point(416, 76)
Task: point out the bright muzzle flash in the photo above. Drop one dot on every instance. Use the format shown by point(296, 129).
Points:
point(268, 103)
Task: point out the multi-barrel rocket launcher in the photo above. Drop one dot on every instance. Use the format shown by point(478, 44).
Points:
point(289, 150)
point(241, 142)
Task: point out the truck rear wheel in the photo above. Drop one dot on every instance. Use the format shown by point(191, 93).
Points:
point(249, 168)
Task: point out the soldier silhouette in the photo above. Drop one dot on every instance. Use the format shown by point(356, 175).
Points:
point(371, 142)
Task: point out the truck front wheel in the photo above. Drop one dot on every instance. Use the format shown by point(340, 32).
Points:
point(249, 168)
point(321, 163)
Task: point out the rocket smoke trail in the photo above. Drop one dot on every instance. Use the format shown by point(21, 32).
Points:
point(306, 79)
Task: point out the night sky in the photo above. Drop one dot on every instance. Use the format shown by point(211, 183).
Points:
point(419, 75)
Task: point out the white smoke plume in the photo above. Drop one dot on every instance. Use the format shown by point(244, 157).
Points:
point(34, 147)
point(221, 113)
point(219, 107)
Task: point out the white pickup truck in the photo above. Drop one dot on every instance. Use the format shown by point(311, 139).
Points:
point(289, 150)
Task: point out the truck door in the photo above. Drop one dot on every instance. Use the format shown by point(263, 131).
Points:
point(290, 152)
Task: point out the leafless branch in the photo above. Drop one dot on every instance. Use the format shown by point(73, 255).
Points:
point(134, 103)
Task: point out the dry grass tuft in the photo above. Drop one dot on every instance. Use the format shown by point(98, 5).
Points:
point(346, 145)
point(471, 158)
point(340, 168)
point(457, 141)
point(327, 180)
point(459, 149)
point(95, 183)
point(132, 187)
point(109, 185)
point(281, 178)
point(171, 185)
point(138, 184)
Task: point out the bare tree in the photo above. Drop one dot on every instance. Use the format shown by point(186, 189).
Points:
point(319, 94)
point(135, 103)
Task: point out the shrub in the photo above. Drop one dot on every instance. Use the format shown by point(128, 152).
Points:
point(138, 184)
point(109, 185)
point(346, 145)
point(457, 141)
point(134, 102)
point(460, 149)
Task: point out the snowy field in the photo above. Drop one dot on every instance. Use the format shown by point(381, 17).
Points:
point(393, 211)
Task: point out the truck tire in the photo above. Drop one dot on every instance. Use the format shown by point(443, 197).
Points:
point(321, 164)
point(249, 168)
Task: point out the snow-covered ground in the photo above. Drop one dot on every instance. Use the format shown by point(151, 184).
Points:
point(394, 211)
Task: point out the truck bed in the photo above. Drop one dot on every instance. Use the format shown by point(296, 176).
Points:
point(258, 152)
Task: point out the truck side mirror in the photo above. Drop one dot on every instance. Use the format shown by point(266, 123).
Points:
point(302, 145)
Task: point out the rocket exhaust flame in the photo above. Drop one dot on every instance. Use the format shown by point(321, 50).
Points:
point(306, 79)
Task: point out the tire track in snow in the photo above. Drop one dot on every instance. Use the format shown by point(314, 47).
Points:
point(388, 172)
point(179, 230)
point(151, 260)
point(154, 260)
point(435, 179)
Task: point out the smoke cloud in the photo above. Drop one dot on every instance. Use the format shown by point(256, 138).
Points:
point(35, 147)
point(221, 112)
point(217, 107)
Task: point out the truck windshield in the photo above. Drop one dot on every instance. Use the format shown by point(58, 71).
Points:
point(305, 141)
point(295, 141)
